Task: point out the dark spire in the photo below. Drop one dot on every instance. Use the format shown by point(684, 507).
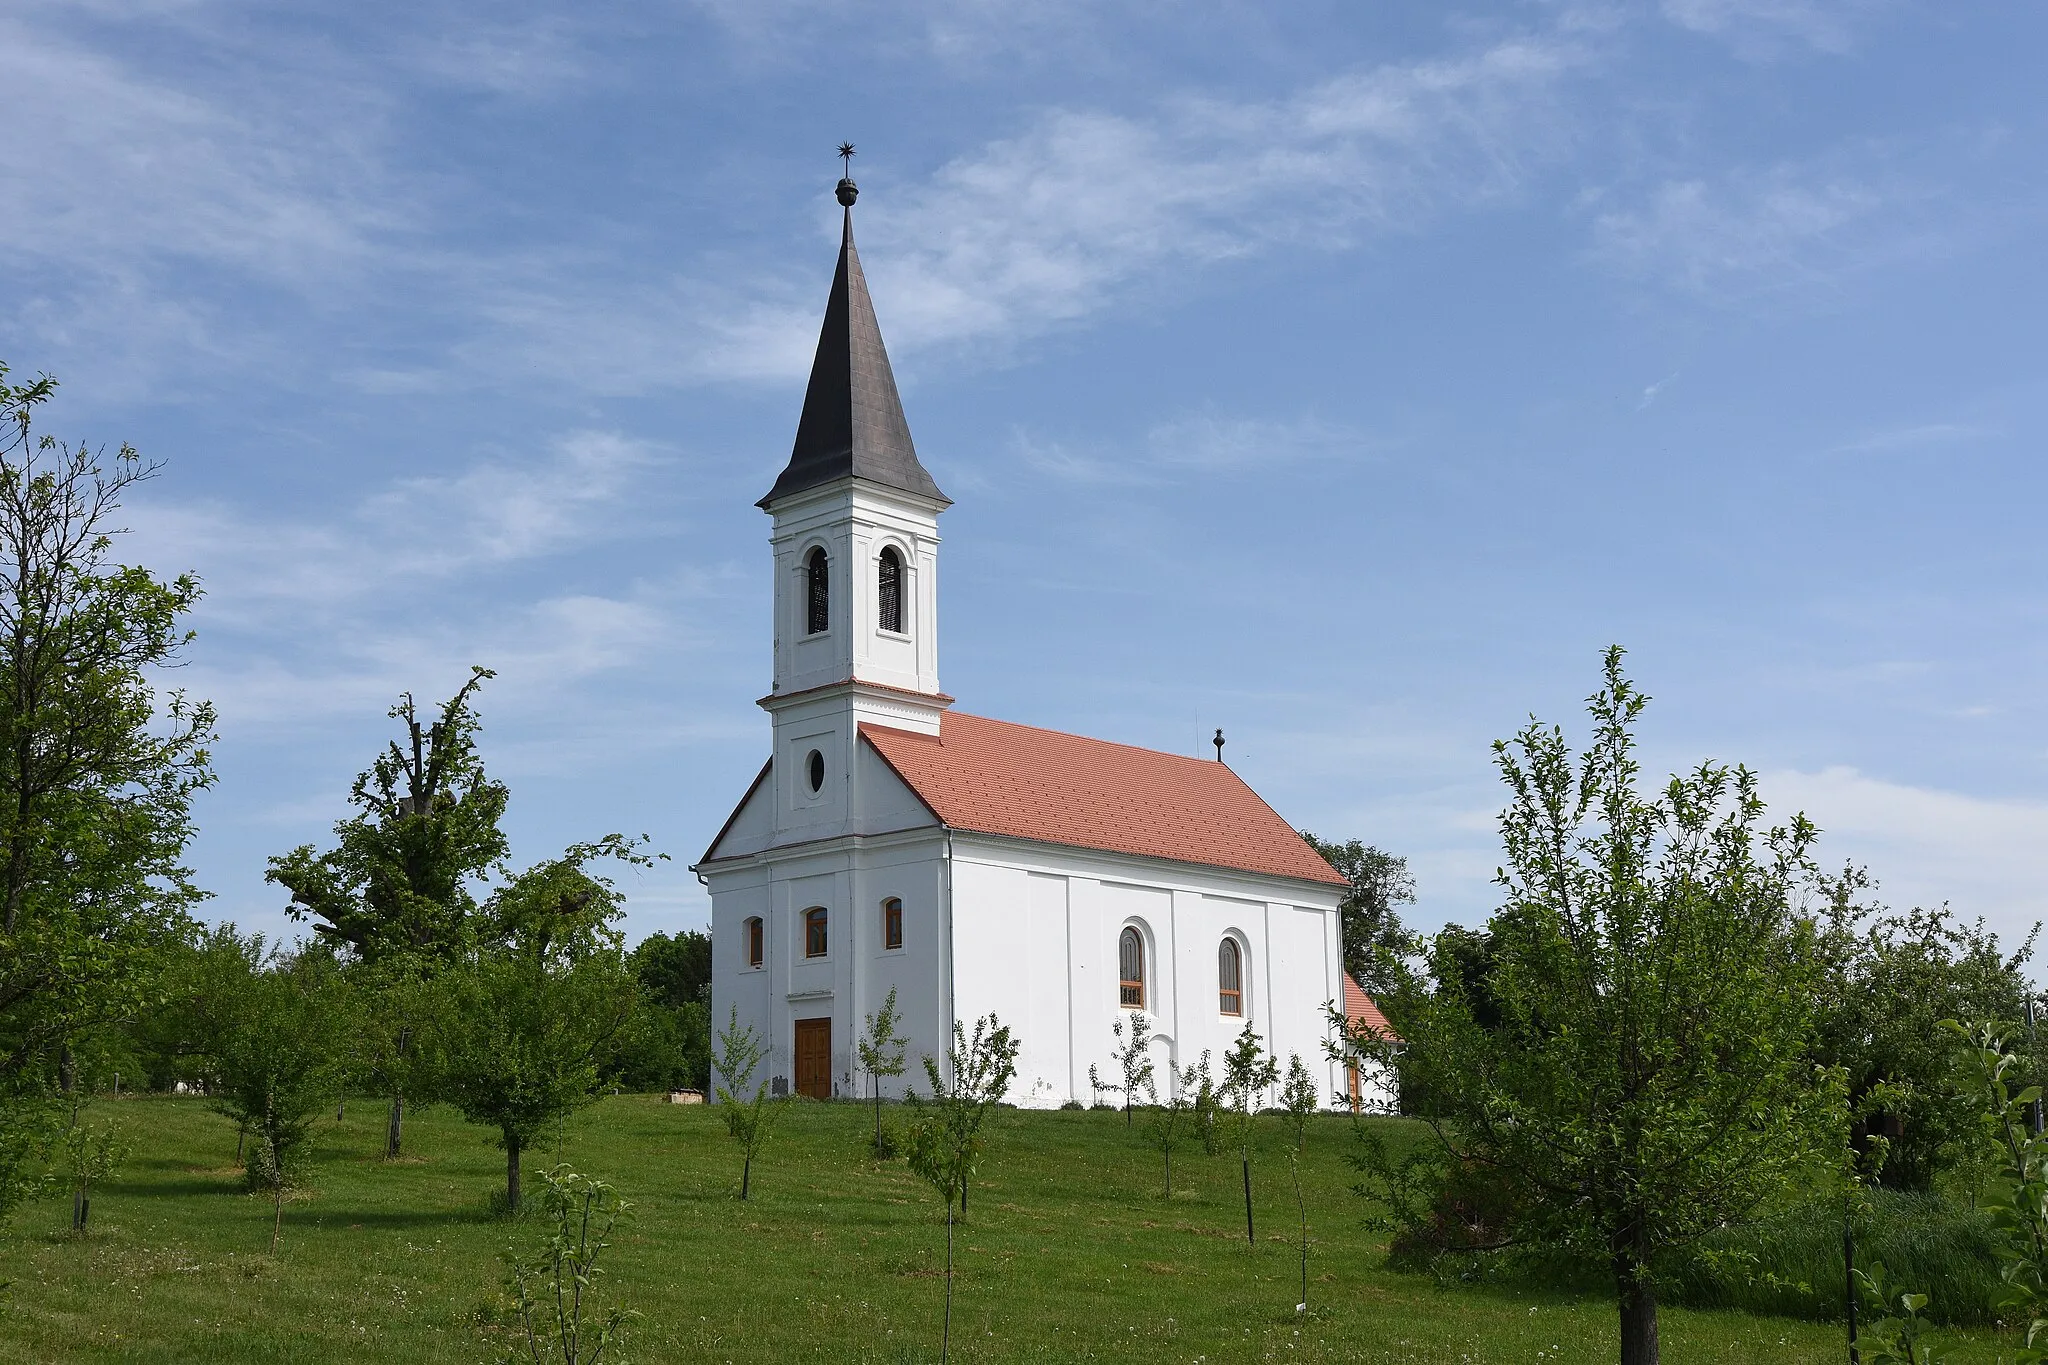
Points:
point(852, 422)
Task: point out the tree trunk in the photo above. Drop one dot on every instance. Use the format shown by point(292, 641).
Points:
point(396, 1130)
point(511, 1174)
point(746, 1171)
point(277, 1207)
point(877, 1085)
point(1169, 1172)
point(67, 1068)
point(1638, 1320)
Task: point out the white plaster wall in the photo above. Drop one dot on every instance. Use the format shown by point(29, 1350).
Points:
point(1035, 941)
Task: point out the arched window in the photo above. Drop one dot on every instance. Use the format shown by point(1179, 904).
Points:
point(890, 576)
point(1230, 978)
point(1130, 952)
point(892, 923)
point(753, 937)
point(817, 593)
point(814, 931)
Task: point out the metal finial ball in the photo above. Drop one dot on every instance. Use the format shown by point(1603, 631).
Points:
point(1218, 742)
point(848, 192)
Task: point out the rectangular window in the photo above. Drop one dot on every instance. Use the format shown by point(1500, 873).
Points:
point(892, 923)
point(814, 932)
point(754, 942)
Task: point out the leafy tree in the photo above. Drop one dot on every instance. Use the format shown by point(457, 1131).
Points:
point(945, 1142)
point(1371, 927)
point(555, 1288)
point(97, 767)
point(88, 1152)
point(1248, 1073)
point(1300, 1098)
point(668, 1044)
point(277, 1025)
point(2018, 1199)
point(881, 1054)
point(537, 1004)
point(748, 1117)
point(1889, 981)
point(1173, 1116)
point(1649, 1076)
point(1208, 1103)
point(1134, 1062)
point(674, 972)
point(398, 890)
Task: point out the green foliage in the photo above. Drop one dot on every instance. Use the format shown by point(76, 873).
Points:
point(945, 1141)
point(276, 1028)
point(742, 1101)
point(667, 1044)
point(1372, 933)
point(1173, 1117)
point(556, 1286)
point(1891, 979)
point(97, 767)
point(1648, 1076)
point(538, 1004)
point(1248, 1072)
point(880, 1050)
point(1208, 1103)
point(2018, 1200)
point(1133, 1058)
point(88, 1152)
point(1896, 1333)
point(401, 877)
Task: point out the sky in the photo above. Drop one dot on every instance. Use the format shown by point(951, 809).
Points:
point(1346, 376)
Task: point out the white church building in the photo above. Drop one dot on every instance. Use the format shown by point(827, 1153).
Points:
point(976, 866)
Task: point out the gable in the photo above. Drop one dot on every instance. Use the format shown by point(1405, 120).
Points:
point(886, 803)
point(993, 777)
point(751, 826)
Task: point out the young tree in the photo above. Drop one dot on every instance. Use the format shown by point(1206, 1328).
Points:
point(881, 1054)
point(1248, 1073)
point(276, 1036)
point(398, 890)
point(1172, 1116)
point(538, 1002)
point(556, 1287)
point(85, 1154)
point(97, 767)
point(1300, 1098)
point(1133, 1060)
point(1647, 1076)
point(946, 1141)
point(748, 1117)
point(1371, 927)
point(2018, 1199)
point(1208, 1103)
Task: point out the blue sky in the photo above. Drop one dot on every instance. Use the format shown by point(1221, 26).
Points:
point(1346, 376)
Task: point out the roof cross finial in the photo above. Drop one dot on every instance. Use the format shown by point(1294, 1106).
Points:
point(847, 191)
point(1218, 742)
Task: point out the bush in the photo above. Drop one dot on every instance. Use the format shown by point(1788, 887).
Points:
point(1074, 1105)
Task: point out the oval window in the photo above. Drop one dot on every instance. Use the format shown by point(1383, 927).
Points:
point(814, 768)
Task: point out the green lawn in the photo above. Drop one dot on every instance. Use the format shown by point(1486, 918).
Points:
point(1070, 1254)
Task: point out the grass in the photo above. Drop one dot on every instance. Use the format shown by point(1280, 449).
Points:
point(1070, 1254)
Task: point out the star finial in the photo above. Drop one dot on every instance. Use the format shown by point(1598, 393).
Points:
point(847, 191)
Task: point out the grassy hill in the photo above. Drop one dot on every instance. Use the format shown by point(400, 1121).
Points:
point(1070, 1254)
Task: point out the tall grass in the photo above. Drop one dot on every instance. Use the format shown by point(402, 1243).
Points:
point(1791, 1262)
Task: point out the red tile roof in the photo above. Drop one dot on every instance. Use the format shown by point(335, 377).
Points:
point(1359, 1007)
point(992, 777)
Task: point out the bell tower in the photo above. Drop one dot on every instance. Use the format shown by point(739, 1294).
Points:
point(855, 539)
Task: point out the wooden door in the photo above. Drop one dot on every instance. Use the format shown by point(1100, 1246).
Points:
point(814, 1058)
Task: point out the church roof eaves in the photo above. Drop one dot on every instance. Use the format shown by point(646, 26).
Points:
point(995, 777)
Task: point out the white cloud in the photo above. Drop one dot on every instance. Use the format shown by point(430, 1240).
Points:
point(1745, 232)
point(1917, 436)
point(1763, 28)
point(1982, 856)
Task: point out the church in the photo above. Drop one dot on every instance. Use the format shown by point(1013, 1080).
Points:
point(976, 866)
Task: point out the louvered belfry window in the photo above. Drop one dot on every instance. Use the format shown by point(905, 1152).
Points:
point(1229, 978)
point(1131, 959)
point(817, 593)
point(891, 595)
